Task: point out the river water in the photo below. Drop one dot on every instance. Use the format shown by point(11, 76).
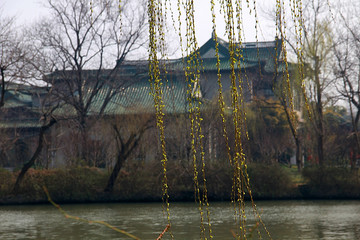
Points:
point(288, 220)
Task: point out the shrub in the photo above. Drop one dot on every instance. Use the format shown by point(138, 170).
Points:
point(331, 182)
point(6, 181)
point(64, 185)
point(270, 181)
point(78, 184)
point(139, 182)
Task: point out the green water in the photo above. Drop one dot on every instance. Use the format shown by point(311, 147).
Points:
point(288, 220)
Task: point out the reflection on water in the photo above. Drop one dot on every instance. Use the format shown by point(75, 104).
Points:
point(330, 220)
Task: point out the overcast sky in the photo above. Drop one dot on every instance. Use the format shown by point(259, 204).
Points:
point(28, 11)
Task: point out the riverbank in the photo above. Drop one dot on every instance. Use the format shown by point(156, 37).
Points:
point(143, 183)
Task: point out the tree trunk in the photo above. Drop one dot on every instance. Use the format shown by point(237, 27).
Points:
point(295, 134)
point(357, 141)
point(353, 159)
point(320, 149)
point(299, 161)
point(36, 154)
point(124, 150)
point(84, 151)
point(2, 99)
point(320, 117)
point(114, 174)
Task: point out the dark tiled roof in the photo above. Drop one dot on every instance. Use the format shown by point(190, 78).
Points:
point(136, 99)
point(17, 98)
point(21, 123)
point(250, 55)
point(19, 110)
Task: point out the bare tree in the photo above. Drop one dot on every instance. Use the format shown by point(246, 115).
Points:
point(48, 122)
point(44, 107)
point(12, 54)
point(19, 67)
point(347, 69)
point(80, 36)
point(128, 131)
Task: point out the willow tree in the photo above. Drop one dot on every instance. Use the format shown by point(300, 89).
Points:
point(158, 13)
point(307, 33)
point(317, 57)
point(233, 13)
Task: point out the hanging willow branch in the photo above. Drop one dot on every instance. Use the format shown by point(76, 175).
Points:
point(156, 43)
point(66, 215)
point(233, 15)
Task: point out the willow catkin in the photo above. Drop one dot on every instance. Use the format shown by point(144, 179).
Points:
point(232, 11)
point(156, 30)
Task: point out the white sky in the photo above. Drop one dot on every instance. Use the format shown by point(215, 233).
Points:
point(25, 11)
point(28, 11)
